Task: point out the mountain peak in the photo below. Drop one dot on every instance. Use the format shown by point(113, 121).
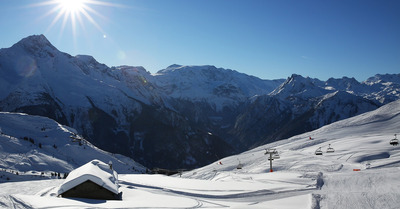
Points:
point(180, 68)
point(37, 40)
point(295, 78)
point(174, 66)
point(35, 44)
point(86, 58)
point(382, 78)
point(297, 84)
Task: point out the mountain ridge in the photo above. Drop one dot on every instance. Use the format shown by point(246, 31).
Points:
point(200, 112)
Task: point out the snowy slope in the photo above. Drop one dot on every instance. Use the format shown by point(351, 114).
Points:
point(31, 145)
point(303, 104)
point(300, 179)
point(358, 140)
point(33, 67)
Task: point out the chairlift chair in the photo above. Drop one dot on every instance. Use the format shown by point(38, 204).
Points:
point(394, 141)
point(330, 149)
point(269, 151)
point(274, 153)
point(276, 156)
point(318, 151)
point(240, 165)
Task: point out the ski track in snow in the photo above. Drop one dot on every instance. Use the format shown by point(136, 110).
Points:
point(300, 179)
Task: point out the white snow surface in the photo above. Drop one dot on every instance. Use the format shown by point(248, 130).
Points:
point(55, 148)
point(96, 171)
point(361, 173)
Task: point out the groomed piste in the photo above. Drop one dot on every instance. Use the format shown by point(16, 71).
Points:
point(362, 172)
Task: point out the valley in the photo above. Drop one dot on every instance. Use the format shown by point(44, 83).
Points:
point(362, 172)
point(202, 113)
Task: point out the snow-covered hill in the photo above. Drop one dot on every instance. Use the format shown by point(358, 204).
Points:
point(30, 145)
point(361, 173)
point(360, 140)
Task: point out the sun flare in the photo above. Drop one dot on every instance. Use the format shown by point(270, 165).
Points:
point(75, 12)
point(72, 5)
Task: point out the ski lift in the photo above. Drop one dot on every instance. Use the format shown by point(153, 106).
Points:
point(270, 151)
point(318, 151)
point(330, 149)
point(394, 141)
point(240, 165)
point(273, 153)
point(276, 156)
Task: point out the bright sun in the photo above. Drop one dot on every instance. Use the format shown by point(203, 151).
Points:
point(77, 12)
point(72, 5)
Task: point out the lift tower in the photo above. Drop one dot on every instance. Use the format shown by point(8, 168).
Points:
point(273, 154)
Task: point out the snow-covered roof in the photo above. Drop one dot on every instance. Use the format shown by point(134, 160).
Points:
point(96, 171)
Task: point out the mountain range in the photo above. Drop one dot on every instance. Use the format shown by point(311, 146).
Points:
point(182, 116)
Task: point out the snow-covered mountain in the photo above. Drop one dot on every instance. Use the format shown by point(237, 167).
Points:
point(362, 172)
point(217, 86)
point(301, 104)
point(211, 98)
point(36, 146)
point(118, 109)
point(380, 88)
point(183, 116)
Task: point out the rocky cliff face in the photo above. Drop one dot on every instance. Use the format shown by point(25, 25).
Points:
point(181, 117)
point(118, 109)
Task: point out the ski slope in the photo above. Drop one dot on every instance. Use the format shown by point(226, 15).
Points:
point(300, 179)
point(32, 145)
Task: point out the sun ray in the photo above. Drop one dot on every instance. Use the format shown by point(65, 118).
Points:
point(89, 9)
point(55, 20)
point(52, 11)
point(80, 21)
point(73, 23)
point(103, 3)
point(91, 20)
point(66, 15)
point(74, 13)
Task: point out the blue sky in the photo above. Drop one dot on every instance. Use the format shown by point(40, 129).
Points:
point(266, 38)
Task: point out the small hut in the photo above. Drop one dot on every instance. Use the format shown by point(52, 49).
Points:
point(94, 180)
